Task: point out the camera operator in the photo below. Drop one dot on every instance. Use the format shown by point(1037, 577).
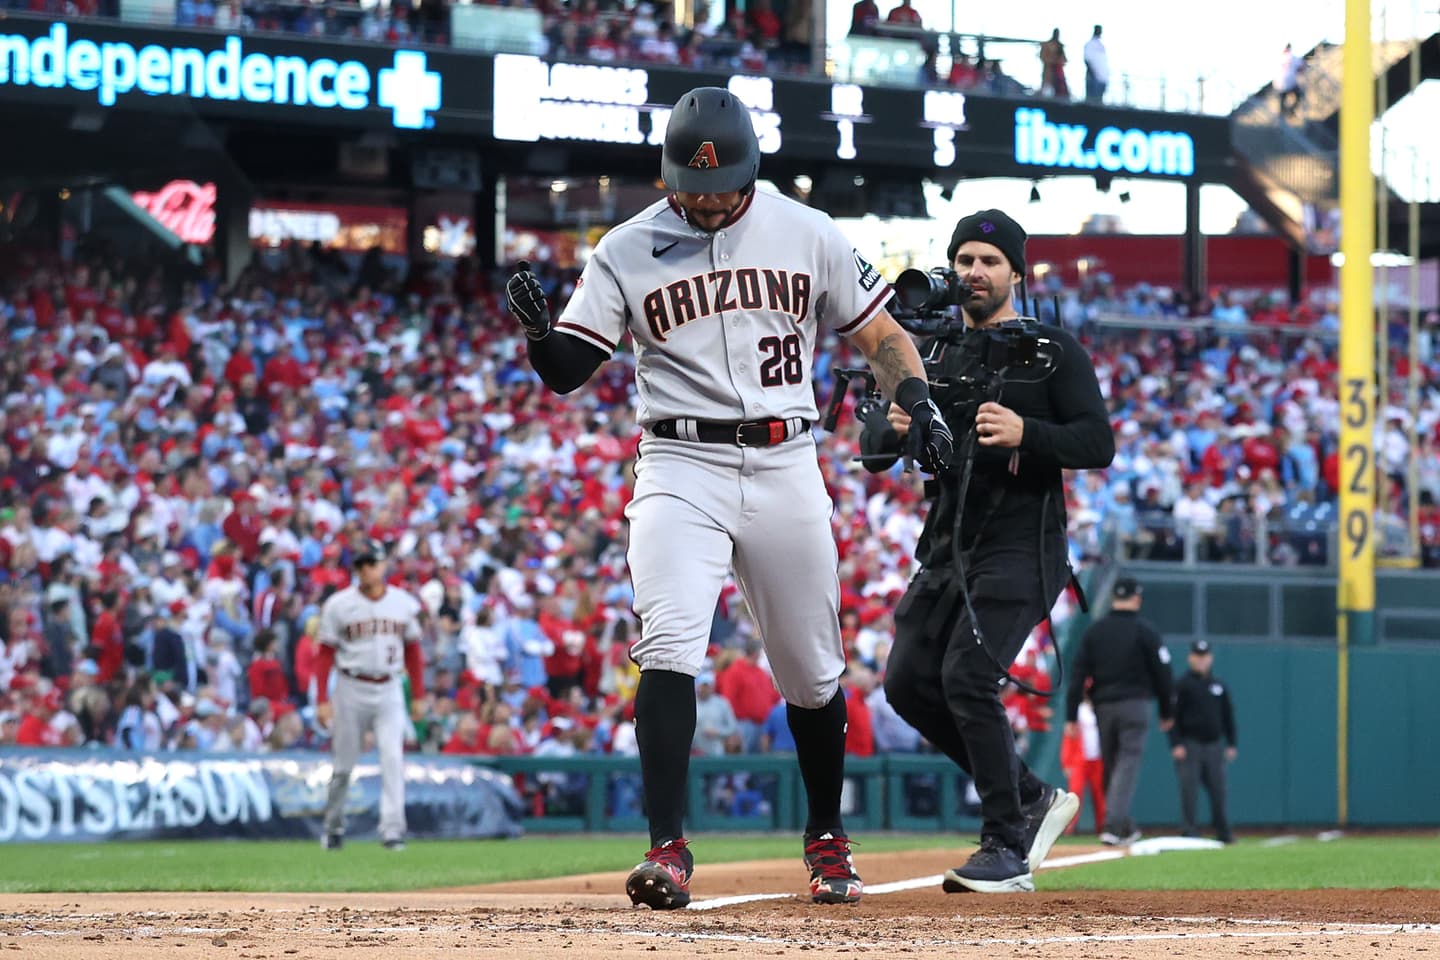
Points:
point(1010, 563)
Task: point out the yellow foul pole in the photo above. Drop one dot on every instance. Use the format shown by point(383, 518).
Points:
point(1356, 594)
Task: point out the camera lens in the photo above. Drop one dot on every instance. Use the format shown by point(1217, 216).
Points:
point(917, 289)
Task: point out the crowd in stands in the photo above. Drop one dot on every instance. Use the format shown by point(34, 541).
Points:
point(1226, 434)
point(189, 464)
point(766, 36)
point(759, 38)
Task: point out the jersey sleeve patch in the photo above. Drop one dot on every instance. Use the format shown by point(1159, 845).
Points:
point(869, 276)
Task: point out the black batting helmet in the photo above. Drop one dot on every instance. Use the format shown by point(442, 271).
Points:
point(710, 144)
point(368, 552)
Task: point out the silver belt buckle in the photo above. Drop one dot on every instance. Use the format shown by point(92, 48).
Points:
point(739, 438)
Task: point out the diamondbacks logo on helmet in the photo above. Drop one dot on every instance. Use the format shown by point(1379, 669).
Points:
point(704, 158)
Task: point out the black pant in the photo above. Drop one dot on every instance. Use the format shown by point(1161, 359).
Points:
point(941, 682)
point(1204, 763)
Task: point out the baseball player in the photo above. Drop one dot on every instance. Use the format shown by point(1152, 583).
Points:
point(370, 633)
point(723, 291)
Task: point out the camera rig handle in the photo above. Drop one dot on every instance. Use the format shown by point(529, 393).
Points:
point(872, 398)
point(843, 380)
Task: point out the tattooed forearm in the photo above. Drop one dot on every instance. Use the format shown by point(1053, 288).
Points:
point(894, 359)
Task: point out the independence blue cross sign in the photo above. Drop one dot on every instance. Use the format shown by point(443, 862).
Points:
point(410, 89)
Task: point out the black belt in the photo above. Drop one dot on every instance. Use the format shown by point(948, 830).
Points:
point(369, 677)
point(746, 433)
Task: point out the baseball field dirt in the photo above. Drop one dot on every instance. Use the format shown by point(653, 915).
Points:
point(588, 916)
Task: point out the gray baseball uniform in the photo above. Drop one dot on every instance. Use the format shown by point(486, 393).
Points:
point(724, 327)
point(369, 638)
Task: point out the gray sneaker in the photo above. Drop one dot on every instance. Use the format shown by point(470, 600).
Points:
point(994, 868)
point(1045, 820)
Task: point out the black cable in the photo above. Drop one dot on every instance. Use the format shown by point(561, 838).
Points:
point(1059, 683)
point(958, 555)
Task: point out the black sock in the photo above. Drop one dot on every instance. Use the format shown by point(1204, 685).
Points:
point(820, 750)
point(664, 728)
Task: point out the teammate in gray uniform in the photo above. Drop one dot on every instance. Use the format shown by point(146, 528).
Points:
point(723, 291)
point(370, 634)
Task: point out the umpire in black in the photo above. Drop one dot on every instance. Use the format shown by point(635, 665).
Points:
point(944, 677)
point(1203, 739)
point(1127, 665)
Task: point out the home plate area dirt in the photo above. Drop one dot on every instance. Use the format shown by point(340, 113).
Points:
point(589, 916)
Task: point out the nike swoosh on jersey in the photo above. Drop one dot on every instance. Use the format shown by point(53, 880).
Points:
point(658, 252)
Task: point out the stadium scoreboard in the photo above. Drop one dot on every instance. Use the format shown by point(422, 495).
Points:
point(604, 109)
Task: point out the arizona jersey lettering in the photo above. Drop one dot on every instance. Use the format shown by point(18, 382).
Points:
point(369, 636)
point(708, 294)
point(724, 324)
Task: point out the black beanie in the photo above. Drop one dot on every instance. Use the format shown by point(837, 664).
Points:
point(993, 227)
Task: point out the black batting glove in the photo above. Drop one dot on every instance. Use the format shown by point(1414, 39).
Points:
point(527, 302)
point(930, 439)
point(934, 443)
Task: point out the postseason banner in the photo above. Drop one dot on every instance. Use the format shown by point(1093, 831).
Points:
point(83, 796)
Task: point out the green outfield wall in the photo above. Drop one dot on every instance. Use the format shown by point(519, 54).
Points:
point(1274, 637)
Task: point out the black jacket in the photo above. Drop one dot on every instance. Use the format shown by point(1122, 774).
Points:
point(1124, 659)
point(59, 658)
point(1066, 427)
point(167, 653)
point(1203, 711)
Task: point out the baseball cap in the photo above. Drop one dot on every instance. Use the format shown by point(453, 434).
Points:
point(368, 552)
point(1126, 587)
point(1200, 646)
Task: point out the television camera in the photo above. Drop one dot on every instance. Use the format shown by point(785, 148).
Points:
point(926, 305)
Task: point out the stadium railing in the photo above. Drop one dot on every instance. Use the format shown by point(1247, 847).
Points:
point(1245, 538)
point(910, 791)
point(1219, 328)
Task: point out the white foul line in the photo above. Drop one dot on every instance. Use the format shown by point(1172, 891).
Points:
point(732, 901)
point(899, 886)
point(1100, 856)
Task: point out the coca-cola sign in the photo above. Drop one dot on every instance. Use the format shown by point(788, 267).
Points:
point(184, 207)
